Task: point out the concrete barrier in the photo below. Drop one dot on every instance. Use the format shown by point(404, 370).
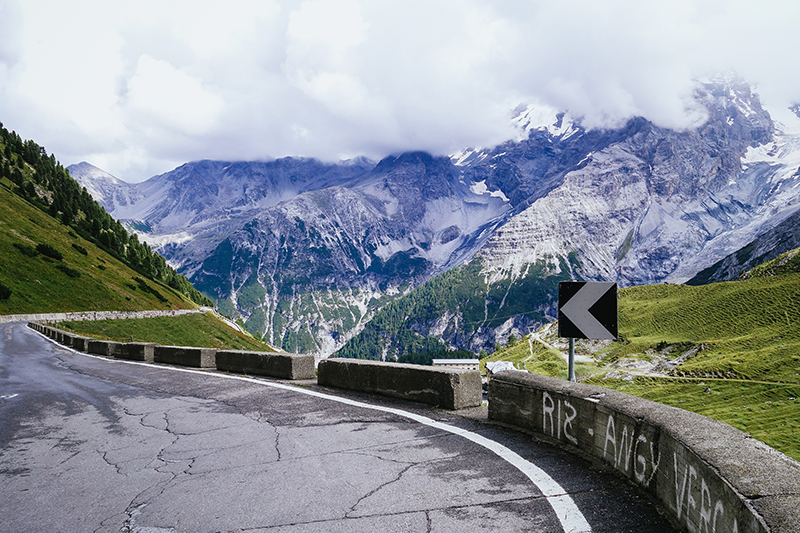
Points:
point(185, 356)
point(137, 351)
point(276, 365)
point(107, 348)
point(708, 475)
point(65, 338)
point(444, 387)
point(81, 344)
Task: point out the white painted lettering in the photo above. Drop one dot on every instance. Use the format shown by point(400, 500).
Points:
point(547, 411)
point(654, 463)
point(558, 420)
point(679, 494)
point(625, 453)
point(640, 460)
point(705, 507)
point(568, 423)
point(719, 509)
point(691, 501)
point(611, 436)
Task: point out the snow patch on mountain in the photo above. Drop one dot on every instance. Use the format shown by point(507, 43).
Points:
point(527, 118)
point(480, 189)
point(469, 156)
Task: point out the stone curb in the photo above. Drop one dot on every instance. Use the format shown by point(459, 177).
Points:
point(97, 315)
point(278, 365)
point(449, 388)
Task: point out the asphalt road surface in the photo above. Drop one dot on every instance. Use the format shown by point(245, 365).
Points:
point(95, 444)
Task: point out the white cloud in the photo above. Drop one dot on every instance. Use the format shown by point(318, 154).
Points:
point(160, 95)
point(141, 87)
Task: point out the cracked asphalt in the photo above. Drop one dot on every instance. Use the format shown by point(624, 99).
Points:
point(95, 444)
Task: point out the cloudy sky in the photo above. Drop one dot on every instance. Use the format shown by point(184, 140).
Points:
point(138, 88)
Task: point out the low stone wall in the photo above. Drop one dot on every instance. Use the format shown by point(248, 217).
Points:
point(276, 365)
point(185, 356)
point(137, 351)
point(107, 348)
point(444, 387)
point(81, 344)
point(708, 475)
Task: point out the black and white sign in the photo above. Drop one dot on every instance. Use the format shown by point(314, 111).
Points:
point(587, 310)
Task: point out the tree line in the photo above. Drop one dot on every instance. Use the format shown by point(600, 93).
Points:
point(46, 184)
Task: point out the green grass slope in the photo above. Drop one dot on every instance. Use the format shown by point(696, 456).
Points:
point(201, 330)
point(85, 278)
point(786, 263)
point(28, 172)
point(728, 350)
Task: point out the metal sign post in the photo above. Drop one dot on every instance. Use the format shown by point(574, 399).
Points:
point(571, 362)
point(586, 310)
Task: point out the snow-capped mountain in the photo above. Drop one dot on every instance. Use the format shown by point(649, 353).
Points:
point(307, 251)
point(646, 204)
point(107, 190)
point(304, 272)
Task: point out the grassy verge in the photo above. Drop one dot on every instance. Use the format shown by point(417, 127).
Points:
point(200, 330)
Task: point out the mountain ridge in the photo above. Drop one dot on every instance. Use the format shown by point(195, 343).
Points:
point(636, 204)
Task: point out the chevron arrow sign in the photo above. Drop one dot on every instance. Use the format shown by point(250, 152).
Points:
point(587, 310)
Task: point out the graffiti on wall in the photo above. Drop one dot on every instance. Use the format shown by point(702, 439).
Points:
point(634, 454)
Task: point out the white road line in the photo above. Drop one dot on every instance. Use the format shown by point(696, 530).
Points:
point(571, 518)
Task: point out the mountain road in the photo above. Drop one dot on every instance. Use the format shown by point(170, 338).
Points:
point(93, 444)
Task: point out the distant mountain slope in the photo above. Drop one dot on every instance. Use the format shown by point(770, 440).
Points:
point(644, 205)
point(778, 240)
point(305, 272)
point(188, 211)
point(637, 204)
point(107, 190)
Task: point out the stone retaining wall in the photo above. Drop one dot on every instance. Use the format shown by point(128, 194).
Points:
point(449, 388)
point(708, 475)
point(97, 315)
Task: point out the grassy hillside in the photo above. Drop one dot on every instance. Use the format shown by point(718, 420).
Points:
point(85, 278)
point(28, 172)
point(201, 330)
point(729, 350)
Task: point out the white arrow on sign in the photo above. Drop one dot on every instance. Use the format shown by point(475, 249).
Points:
point(577, 310)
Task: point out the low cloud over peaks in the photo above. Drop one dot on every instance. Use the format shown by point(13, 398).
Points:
point(140, 88)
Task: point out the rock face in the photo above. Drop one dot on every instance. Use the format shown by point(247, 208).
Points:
point(780, 239)
point(645, 204)
point(306, 273)
point(306, 252)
